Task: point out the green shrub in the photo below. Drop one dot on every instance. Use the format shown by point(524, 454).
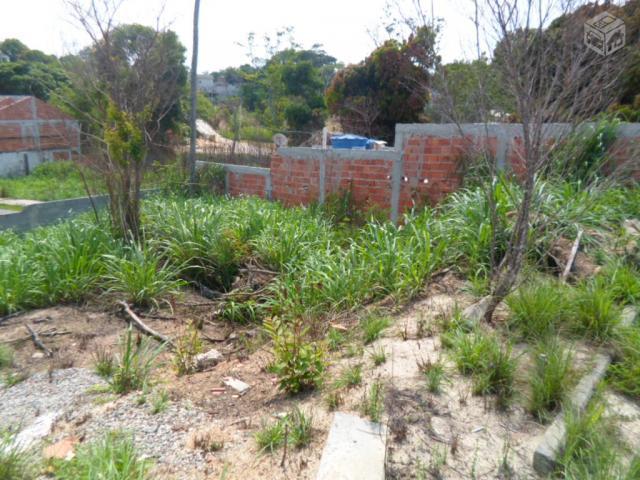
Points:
point(538, 309)
point(595, 313)
point(549, 379)
point(113, 457)
point(141, 275)
point(299, 362)
point(134, 363)
point(16, 463)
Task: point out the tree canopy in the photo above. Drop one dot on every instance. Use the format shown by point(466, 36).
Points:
point(390, 86)
point(29, 72)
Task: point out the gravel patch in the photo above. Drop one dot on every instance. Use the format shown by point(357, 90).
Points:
point(58, 391)
point(162, 437)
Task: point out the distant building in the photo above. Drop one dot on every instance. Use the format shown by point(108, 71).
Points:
point(4, 58)
point(217, 89)
point(33, 132)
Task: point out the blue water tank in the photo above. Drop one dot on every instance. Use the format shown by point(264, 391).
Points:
point(351, 141)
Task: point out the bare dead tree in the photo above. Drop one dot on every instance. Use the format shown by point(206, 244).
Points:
point(194, 96)
point(553, 77)
point(125, 86)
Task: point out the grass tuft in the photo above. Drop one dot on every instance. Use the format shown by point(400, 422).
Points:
point(372, 404)
point(113, 457)
point(595, 313)
point(549, 379)
point(134, 363)
point(16, 463)
point(372, 326)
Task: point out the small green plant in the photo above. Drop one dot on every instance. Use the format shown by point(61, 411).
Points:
point(16, 463)
point(372, 326)
point(240, 312)
point(434, 373)
point(14, 378)
point(378, 355)
point(453, 324)
point(372, 404)
point(300, 428)
point(350, 377)
point(6, 356)
point(103, 363)
point(549, 378)
point(133, 363)
point(622, 280)
point(159, 402)
point(270, 437)
point(296, 428)
point(595, 314)
point(188, 346)
point(538, 309)
point(113, 457)
point(299, 362)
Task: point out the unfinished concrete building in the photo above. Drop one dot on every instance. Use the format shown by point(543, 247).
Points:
point(33, 132)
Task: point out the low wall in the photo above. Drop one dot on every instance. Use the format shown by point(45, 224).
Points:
point(48, 213)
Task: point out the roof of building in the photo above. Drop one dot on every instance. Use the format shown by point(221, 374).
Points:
point(27, 107)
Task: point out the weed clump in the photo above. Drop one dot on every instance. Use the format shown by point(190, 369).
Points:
point(549, 378)
point(538, 309)
point(596, 314)
point(16, 463)
point(188, 346)
point(134, 363)
point(6, 356)
point(296, 428)
point(434, 373)
point(372, 326)
point(488, 361)
point(624, 374)
point(372, 404)
point(112, 457)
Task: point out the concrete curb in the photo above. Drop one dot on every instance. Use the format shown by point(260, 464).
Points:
point(546, 455)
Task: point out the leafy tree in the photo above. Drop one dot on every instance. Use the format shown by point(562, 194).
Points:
point(29, 72)
point(388, 87)
point(127, 86)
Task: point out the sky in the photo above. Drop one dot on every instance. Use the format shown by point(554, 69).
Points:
point(344, 27)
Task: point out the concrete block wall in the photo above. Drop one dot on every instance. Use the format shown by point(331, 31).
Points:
point(426, 164)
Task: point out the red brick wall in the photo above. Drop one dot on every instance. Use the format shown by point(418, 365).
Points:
point(295, 181)
point(369, 180)
point(246, 184)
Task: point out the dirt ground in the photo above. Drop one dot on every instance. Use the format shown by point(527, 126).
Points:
point(453, 435)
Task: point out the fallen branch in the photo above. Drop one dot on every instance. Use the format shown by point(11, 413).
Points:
point(10, 316)
point(37, 341)
point(259, 270)
point(139, 324)
point(41, 334)
point(572, 256)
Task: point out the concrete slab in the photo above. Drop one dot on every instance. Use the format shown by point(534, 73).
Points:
point(40, 428)
point(355, 450)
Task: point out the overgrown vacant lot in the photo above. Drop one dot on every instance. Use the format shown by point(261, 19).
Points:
point(319, 310)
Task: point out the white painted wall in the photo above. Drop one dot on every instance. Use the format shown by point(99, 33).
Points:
point(12, 163)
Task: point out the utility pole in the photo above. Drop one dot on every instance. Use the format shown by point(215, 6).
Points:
point(194, 96)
